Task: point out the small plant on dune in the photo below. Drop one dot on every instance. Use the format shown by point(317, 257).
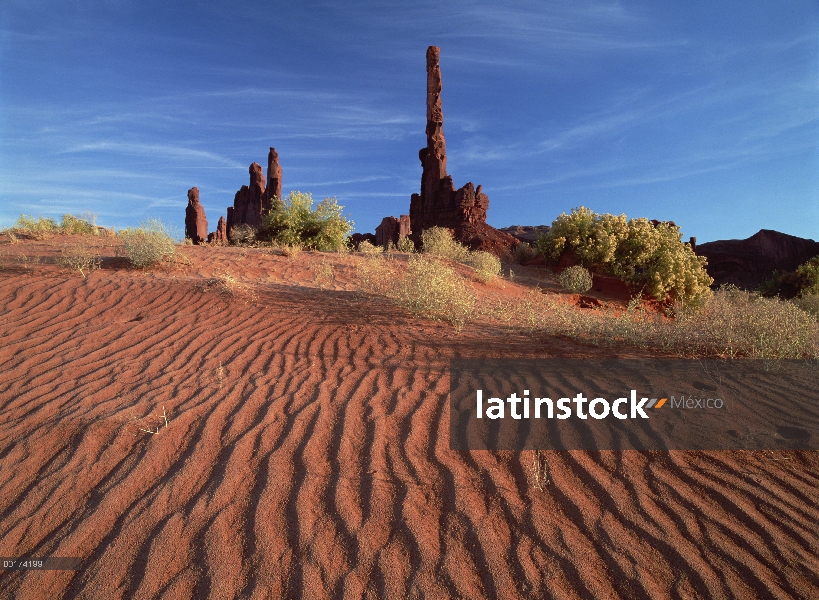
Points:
point(368, 248)
point(228, 287)
point(148, 245)
point(85, 225)
point(324, 274)
point(293, 220)
point(78, 258)
point(575, 279)
point(432, 289)
point(439, 241)
point(487, 266)
point(40, 228)
point(291, 251)
point(405, 245)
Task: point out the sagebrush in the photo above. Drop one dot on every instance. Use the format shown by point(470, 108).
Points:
point(148, 245)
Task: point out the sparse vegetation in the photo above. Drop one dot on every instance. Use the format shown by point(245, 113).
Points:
point(367, 248)
point(294, 221)
point(803, 281)
point(729, 324)
point(228, 287)
point(405, 245)
point(148, 245)
point(487, 266)
point(575, 279)
point(427, 287)
point(523, 253)
point(291, 251)
point(439, 241)
point(324, 273)
point(646, 257)
point(78, 257)
point(43, 227)
point(242, 234)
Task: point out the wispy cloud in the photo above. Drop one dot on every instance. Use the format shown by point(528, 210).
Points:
point(153, 150)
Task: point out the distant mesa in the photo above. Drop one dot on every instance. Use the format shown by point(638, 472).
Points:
point(749, 262)
point(439, 204)
point(526, 233)
point(391, 230)
point(220, 235)
point(196, 224)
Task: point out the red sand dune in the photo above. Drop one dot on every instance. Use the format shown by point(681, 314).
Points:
point(306, 455)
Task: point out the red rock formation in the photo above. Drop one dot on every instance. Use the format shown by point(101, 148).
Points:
point(747, 263)
point(439, 203)
point(392, 229)
point(247, 203)
point(274, 179)
point(196, 224)
point(220, 235)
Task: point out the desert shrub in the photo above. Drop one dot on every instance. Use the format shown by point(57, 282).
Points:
point(228, 287)
point(652, 259)
point(149, 244)
point(79, 258)
point(38, 228)
point(523, 253)
point(85, 225)
point(439, 241)
point(487, 266)
point(575, 279)
point(367, 248)
point(427, 287)
point(294, 221)
point(808, 303)
point(432, 289)
point(804, 281)
point(405, 245)
point(242, 234)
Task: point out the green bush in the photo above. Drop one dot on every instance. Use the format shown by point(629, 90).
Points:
point(439, 241)
point(809, 303)
point(523, 253)
point(804, 281)
point(294, 221)
point(648, 258)
point(487, 266)
point(149, 244)
point(575, 279)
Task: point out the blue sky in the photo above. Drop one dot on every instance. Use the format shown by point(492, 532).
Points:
point(704, 113)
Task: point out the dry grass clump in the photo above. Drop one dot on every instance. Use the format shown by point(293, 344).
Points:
point(368, 248)
point(487, 266)
point(242, 234)
point(324, 273)
point(229, 288)
point(78, 257)
point(42, 227)
point(575, 279)
point(405, 245)
point(731, 324)
point(427, 287)
point(148, 245)
point(291, 251)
